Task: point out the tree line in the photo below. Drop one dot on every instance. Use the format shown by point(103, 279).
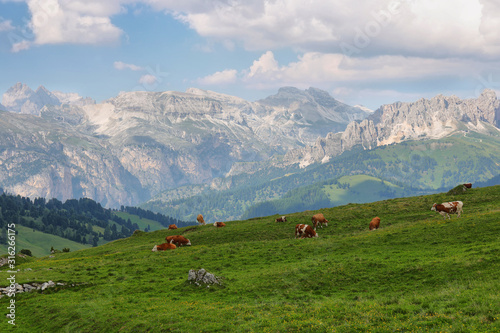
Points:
point(84, 220)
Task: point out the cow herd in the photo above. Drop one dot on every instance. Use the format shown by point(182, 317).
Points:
point(175, 241)
point(307, 231)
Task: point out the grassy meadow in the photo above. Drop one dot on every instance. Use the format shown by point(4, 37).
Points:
point(40, 243)
point(417, 273)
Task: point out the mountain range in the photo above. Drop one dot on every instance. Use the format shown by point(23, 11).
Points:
point(163, 146)
point(137, 144)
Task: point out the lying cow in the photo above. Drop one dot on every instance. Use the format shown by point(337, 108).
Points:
point(172, 226)
point(200, 219)
point(163, 247)
point(375, 223)
point(468, 185)
point(305, 231)
point(219, 224)
point(319, 219)
point(178, 240)
point(447, 208)
point(281, 219)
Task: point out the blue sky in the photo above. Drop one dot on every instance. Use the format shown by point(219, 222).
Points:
point(361, 52)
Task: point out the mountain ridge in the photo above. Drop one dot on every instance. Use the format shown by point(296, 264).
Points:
point(130, 147)
point(433, 118)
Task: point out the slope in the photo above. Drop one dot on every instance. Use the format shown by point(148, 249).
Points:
point(417, 273)
point(330, 193)
point(418, 167)
point(39, 243)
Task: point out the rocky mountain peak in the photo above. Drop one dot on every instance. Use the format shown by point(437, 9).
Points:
point(21, 98)
point(14, 98)
point(432, 118)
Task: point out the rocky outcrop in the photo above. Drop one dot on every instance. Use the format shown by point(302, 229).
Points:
point(17, 288)
point(394, 123)
point(202, 277)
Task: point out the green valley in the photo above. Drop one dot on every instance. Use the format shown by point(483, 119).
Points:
point(407, 169)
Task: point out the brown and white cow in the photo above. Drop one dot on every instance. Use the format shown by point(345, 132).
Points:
point(447, 208)
point(200, 219)
point(375, 223)
point(172, 226)
point(319, 219)
point(178, 240)
point(281, 219)
point(219, 224)
point(305, 231)
point(163, 247)
point(468, 185)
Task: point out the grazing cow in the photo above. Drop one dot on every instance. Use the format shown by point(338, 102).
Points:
point(200, 219)
point(305, 231)
point(375, 223)
point(172, 226)
point(163, 247)
point(447, 208)
point(319, 219)
point(468, 185)
point(281, 219)
point(178, 240)
point(219, 224)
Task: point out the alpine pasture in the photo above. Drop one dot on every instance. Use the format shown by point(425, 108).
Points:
point(416, 273)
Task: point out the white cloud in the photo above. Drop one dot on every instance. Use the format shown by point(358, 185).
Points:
point(120, 65)
point(317, 68)
point(5, 25)
point(148, 80)
point(442, 28)
point(438, 28)
point(23, 45)
point(64, 21)
point(224, 77)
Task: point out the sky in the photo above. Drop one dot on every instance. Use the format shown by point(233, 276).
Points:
point(362, 52)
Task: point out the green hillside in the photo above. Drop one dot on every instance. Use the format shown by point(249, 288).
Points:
point(417, 273)
point(143, 223)
point(334, 192)
point(39, 243)
point(74, 224)
point(416, 167)
point(360, 189)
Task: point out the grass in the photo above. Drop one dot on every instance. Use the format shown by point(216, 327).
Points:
point(417, 273)
point(141, 222)
point(362, 188)
point(39, 243)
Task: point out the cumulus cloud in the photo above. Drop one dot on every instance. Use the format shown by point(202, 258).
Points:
point(439, 28)
point(224, 77)
point(78, 22)
point(120, 65)
point(442, 28)
point(346, 75)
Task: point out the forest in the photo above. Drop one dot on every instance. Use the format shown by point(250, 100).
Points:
point(81, 220)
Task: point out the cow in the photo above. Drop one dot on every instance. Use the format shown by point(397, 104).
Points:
point(178, 240)
point(200, 219)
point(219, 224)
point(375, 223)
point(468, 185)
point(305, 231)
point(172, 226)
point(319, 219)
point(447, 208)
point(281, 219)
point(163, 247)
